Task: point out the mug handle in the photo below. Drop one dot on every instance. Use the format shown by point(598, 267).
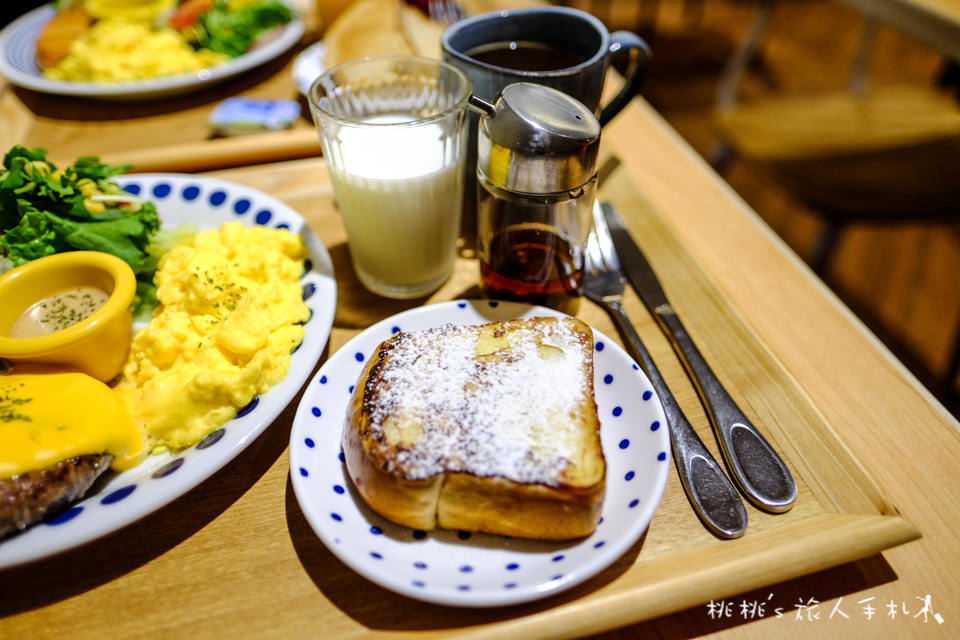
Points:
point(636, 72)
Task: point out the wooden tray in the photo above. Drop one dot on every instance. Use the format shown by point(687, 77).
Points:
point(236, 553)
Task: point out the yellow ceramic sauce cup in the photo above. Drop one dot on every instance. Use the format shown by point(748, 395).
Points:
point(98, 344)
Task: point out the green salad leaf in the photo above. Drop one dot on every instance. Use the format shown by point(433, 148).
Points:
point(44, 211)
point(233, 31)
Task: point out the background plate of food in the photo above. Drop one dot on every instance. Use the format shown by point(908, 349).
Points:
point(170, 466)
point(117, 50)
point(369, 28)
point(460, 568)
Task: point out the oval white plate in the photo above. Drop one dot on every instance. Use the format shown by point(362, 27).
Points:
point(477, 570)
point(18, 64)
point(117, 500)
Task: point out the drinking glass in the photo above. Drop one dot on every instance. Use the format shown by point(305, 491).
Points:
point(393, 134)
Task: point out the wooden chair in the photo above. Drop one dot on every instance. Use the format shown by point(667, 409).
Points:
point(884, 155)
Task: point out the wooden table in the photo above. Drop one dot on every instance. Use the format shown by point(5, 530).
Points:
point(235, 557)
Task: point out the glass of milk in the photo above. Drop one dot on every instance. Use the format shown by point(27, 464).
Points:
point(393, 134)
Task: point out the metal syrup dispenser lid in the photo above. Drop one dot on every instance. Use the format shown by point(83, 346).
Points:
point(536, 140)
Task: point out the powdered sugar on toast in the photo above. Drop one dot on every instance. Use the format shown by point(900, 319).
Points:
point(511, 406)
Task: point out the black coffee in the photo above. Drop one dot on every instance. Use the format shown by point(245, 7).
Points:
point(526, 56)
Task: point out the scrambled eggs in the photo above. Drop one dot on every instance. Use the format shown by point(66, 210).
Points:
point(121, 50)
point(230, 314)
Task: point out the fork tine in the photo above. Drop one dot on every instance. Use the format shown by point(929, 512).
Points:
point(604, 240)
point(592, 257)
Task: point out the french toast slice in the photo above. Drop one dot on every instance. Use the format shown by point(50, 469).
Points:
point(488, 428)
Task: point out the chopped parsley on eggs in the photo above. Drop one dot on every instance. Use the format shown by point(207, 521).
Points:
point(231, 311)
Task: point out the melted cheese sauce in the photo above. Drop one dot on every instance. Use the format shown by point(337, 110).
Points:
point(49, 414)
point(57, 312)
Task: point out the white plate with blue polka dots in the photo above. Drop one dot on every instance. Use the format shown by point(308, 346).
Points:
point(116, 499)
point(458, 568)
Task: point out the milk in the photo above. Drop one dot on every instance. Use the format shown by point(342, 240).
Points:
point(399, 191)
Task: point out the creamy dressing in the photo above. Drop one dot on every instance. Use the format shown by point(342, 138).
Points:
point(398, 190)
point(58, 311)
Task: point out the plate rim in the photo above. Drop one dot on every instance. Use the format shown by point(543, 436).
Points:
point(469, 599)
point(163, 85)
point(111, 522)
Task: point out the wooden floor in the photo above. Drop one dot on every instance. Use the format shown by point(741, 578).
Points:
point(903, 280)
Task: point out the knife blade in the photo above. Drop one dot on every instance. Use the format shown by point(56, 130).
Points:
point(756, 468)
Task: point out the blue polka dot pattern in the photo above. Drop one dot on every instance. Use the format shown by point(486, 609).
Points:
point(662, 456)
point(466, 569)
point(623, 444)
point(190, 193)
point(161, 190)
point(309, 442)
point(557, 558)
point(283, 225)
point(617, 412)
point(462, 305)
point(654, 425)
point(647, 394)
point(167, 469)
point(241, 206)
point(66, 516)
point(395, 329)
point(247, 409)
point(263, 216)
point(304, 472)
point(217, 198)
point(597, 545)
point(599, 346)
point(608, 379)
point(118, 495)
point(418, 583)
point(308, 290)
point(350, 389)
point(211, 438)
point(340, 456)
point(337, 517)
point(510, 585)
point(316, 412)
point(358, 357)
point(633, 503)
point(133, 188)
point(629, 476)
point(322, 380)
point(513, 566)
point(420, 565)
point(375, 555)
point(375, 530)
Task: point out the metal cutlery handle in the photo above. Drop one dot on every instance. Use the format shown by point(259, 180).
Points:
point(760, 473)
point(712, 495)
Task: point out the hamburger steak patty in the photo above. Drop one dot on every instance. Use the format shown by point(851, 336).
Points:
point(29, 497)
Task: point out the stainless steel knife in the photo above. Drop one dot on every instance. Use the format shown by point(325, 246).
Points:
point(756, 468)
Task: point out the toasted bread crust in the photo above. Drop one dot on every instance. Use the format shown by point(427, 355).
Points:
point(448, 492)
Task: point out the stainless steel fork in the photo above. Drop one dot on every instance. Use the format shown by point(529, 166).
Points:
point(445, 11)
point(714, 498)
